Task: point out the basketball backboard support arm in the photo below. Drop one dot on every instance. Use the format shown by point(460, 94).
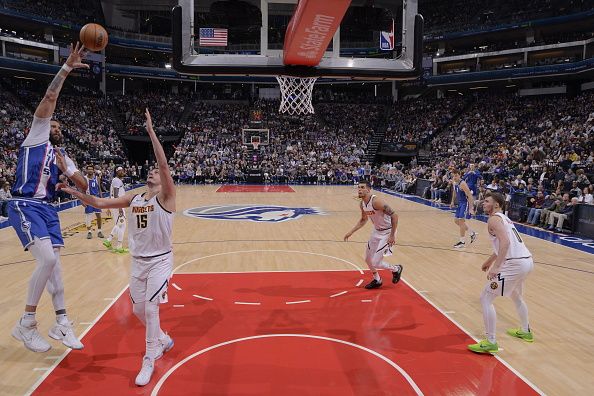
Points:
point(270, 63)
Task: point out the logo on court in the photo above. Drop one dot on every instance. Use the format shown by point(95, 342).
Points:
point(258, 213)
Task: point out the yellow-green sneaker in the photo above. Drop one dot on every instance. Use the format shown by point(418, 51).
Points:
point(107, 244)
point(519, 333)
point(121, 250)
point(484, 346)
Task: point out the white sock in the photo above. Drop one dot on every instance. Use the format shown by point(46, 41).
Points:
point(522, 309)
point(377, 277)
point(62, 319)
point(28, 319)
point(463, 239)
point(489, 315)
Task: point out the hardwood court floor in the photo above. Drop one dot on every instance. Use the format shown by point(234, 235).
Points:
point(559, 292)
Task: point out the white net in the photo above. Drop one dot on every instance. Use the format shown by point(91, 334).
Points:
point(296, 94)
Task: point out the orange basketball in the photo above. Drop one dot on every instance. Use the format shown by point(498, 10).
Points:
point(93, 36)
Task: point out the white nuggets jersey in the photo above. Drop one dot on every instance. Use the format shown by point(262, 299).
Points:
point(517, 249)
point(381, 221)
point(117, 185)
point(150, 228)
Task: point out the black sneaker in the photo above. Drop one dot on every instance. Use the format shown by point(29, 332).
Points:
point(396, 274)
point(473, 237)
point(373, 285)
point(459, 245)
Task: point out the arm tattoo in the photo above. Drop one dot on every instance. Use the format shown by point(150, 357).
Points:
point(56, 84)
point(388, 210)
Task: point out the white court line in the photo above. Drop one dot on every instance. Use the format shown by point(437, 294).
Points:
point(422, 291)
point(86, 323)
point(359, 283)
point(178, 306)
point(176, 286)
point(202, 297)
point(273, 250)
point(339, 294)
point(298, 302)
point(51, 357)
point(246, 303)
point(366, 300)
point(506, 364)
point(108, 299)
point(406, 376)
point(449, 312)
point(68, 350)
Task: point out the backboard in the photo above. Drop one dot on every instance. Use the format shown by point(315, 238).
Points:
point(262, 38)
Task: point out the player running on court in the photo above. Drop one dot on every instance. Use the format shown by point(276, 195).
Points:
point(94, 188)
point(508, 267)
point(383, 236)
point(119, 215)
point(35, 220)
point(465, 208)
point(150, 243)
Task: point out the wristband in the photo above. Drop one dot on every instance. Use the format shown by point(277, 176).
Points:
point(66, 68)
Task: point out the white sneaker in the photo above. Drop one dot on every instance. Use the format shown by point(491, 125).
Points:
point(30, 337)
point(65, 334)
point(146, 372)
point(166, 345)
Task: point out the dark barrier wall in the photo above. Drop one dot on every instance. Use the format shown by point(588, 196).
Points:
point(421, 185)
point(584, 220)
point(517, 202)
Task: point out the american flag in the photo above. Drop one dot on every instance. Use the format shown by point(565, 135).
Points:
point(212, 37)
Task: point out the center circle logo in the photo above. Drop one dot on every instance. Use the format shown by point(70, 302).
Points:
point(257, 213)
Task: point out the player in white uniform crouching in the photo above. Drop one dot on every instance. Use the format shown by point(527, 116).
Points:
point(150, 245)
point(508, 267)
point(383, 237)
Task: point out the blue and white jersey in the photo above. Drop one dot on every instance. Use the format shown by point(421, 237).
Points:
point(461, 195)
point(37, 173)
point(93, 186)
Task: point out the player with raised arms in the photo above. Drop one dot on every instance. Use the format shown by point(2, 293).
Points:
point(150, 244)
point(40, 164)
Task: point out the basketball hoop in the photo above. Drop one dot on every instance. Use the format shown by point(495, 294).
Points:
point(255, 142)
point(296, 94)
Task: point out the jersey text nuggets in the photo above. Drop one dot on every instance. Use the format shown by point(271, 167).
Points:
point(143, 209)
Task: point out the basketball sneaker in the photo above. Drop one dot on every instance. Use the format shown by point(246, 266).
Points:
point(396, 274)
point(484, 346)
point(166, 345)
point(107, 244)
point(31, 338)
point(65, 334)
point(519, 333)
point(100, 235)
point(146, 372)
point(89, 235)
point(460, 245)
point(473, 236)
point(373, 285)
point(121, 250)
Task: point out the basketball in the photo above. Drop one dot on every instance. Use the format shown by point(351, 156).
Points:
point(93, 36)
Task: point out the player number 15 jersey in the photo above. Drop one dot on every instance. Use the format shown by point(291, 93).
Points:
point(151, 227)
